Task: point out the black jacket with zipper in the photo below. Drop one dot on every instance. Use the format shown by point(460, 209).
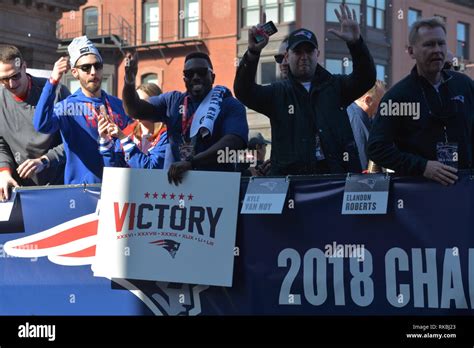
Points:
point(406, 143)
point(296, 116)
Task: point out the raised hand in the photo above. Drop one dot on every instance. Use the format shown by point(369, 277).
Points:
point(131, 67)
point(60, 68)
point(350, 30)
point(256, 30)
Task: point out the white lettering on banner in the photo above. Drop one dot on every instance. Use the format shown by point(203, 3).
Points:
point(449, 292)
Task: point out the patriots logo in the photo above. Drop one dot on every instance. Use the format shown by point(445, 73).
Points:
point(368, 182)
point(269, 185)
point(459, 98)
point(170, 245)
point(304, 33)
point(84, 50)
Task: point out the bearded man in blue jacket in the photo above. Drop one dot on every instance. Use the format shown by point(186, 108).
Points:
point(77, 116)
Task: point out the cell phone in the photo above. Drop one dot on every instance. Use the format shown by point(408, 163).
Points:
point(268, 28)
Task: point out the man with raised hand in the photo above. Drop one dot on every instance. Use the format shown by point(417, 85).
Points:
point(77, 116)
point(201, 122)
point(311, 133)
point(27, 158)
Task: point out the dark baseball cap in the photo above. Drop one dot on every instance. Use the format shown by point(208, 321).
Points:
point(301, 35)
point(256, 138)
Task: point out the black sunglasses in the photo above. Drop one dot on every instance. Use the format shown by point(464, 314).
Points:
point(202, 72)
point(279, 58)
point(87, 67)
point(15, 77)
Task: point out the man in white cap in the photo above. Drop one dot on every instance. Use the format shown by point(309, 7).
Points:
point(77, 116)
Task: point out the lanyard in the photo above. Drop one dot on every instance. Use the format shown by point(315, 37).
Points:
point(186, 122)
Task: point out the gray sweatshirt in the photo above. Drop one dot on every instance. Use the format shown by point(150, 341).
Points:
point(19, 141)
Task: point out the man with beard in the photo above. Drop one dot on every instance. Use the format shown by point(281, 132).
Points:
point(436, 136)
point(27, 158)
point(201, 122)
point(77, 116)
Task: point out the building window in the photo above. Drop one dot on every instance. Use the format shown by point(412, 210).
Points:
point(376, 14)
point(339, 66)
point(150, 78)
point(413, 16)
point(289, 11)
point(91, 21)
point(332, 5)
point(462, 36)
point(380, 72)
point(270, 7)
point(250, 13)
point(190, 22)
point(151, 15)
point(277, 11)
point(268, 73)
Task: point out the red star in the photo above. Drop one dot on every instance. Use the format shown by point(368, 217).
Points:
point(147, 195)
point(181, 196)
point(190, 197)
point(172, 196)
point(163, 195)
point(155, 195)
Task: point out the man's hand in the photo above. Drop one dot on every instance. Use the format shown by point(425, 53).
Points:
point(115, 131)
point(350, 30)
point(6, 181)
point(103, 127)
point(30, 167)
point(253, 45)
point(131, 67)
point(177, 170)
point(265, 167)
point(60, 68)
point(441, 173)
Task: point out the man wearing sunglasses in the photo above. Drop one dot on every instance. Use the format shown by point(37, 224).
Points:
point(311, 133)
point(77, 116)
point(282, 60)
point(189, 111)
point(27, 158)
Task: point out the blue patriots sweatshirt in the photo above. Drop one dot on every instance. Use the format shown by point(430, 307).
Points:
point(77, 122)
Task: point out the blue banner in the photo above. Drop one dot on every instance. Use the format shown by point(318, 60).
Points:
point(418, 259)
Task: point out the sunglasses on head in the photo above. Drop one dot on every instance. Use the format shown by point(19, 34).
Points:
point(87, 67)
point(279, 58)
point(202, 72)
point(15, 77)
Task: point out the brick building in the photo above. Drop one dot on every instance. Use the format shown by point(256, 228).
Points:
point(162, 31)
point(31, 26)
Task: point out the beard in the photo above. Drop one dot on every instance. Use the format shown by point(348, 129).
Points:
point(91, 86)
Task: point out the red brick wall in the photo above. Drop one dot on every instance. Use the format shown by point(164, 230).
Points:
point(218, 28)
